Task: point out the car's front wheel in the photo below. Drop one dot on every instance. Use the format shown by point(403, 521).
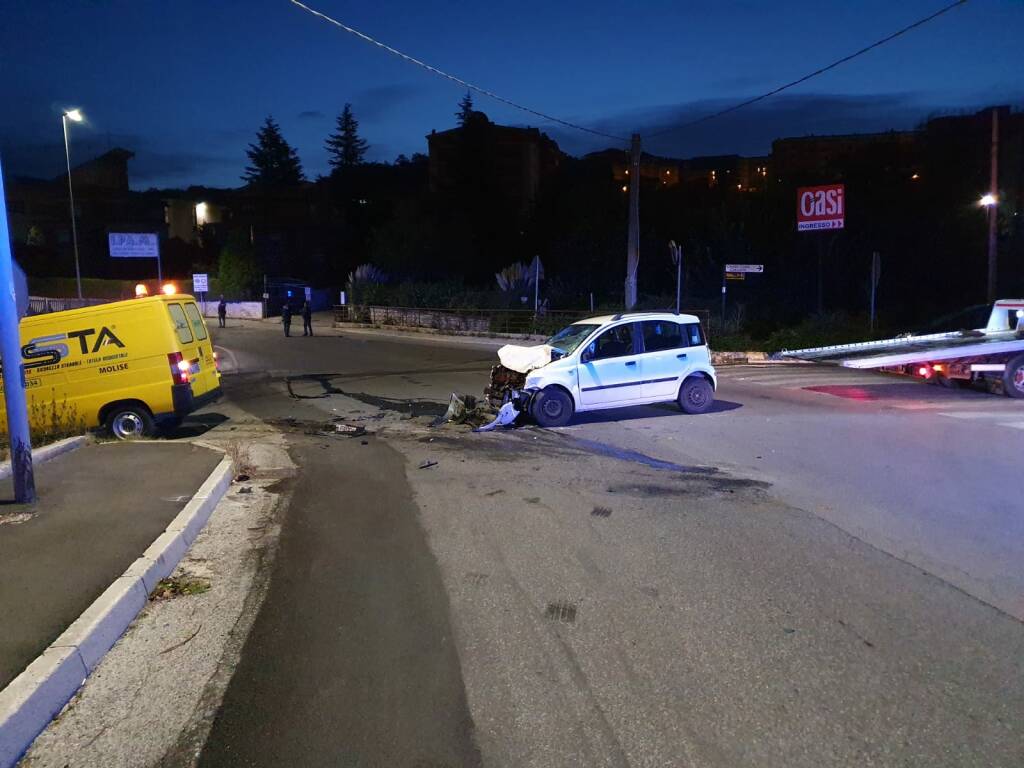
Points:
point(696, 395)
point(552, 407)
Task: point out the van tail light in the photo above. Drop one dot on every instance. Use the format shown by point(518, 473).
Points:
point(179, 368)
point(216, 360)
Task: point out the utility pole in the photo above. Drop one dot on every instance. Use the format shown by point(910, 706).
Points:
point(992, 209)
point(633, 246)
point(13, 373)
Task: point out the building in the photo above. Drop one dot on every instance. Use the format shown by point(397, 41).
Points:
point(515, 161)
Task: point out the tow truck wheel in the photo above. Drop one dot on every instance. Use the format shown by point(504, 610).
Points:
point(1013, 377)
point(696, 395)
point(948, 383)
point(552, 407)
point(129, 422)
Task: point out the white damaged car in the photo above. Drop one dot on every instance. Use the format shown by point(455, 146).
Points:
point(611, 361)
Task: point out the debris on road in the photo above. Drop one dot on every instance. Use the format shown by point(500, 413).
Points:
point(350, 430)
point(465, 409)
point(241, 478)
point(427, 464)
point(507, 415)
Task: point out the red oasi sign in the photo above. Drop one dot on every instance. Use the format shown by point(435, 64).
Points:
point(820, 207)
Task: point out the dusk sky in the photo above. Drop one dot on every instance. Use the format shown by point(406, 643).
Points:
point(185, 85)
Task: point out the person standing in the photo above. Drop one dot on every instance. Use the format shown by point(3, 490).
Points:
point(222, 312)
point(307, 319)
point(286, 318)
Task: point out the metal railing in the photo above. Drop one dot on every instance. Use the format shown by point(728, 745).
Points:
point(40, 305)
point(471, 320)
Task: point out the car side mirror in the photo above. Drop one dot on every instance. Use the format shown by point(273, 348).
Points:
point(587, 355)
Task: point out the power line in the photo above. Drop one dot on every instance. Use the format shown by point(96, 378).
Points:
point(453, 78)
point(815, 73)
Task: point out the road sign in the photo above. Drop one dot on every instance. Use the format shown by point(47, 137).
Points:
point(309, 293)
point(200, 282)
point(735, 276)
point(744, 268)
point(821, 207)
point(133, 245)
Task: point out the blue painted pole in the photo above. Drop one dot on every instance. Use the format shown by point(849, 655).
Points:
point(14, 379)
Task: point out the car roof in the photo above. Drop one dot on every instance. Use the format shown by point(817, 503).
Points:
point(606, 319)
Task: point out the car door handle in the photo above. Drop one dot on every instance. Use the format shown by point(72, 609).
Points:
point(682, 356)
point(631, 362)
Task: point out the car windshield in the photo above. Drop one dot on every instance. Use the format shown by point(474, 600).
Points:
point(571, 337)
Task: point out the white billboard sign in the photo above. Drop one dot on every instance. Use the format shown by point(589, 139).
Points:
point(133, 245)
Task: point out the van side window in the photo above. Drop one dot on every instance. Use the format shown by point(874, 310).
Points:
point(198, 326)
point(180, 323)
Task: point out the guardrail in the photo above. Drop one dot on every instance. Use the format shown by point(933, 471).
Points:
point(470, 320)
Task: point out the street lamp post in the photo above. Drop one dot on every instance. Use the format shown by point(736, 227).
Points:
point(75, 116)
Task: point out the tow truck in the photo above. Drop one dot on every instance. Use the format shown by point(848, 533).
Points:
point(992, 356)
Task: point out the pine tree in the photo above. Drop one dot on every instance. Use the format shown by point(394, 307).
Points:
point(274, 162)
point(345, 146)
point(465, 109)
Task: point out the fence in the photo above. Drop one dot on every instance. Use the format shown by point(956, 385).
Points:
point(503, 321)
point(40, 305)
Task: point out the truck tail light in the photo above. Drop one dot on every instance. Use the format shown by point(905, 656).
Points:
point(179, 368)
point(925, 372)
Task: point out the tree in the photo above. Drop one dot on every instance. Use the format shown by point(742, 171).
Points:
point(465, 108)
point(274, 162)
point(345, 146)
point(237, 269)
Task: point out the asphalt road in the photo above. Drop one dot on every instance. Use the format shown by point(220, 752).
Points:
point(791, 580)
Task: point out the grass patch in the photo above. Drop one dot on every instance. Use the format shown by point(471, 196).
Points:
point(177, 586)
point(49, 421)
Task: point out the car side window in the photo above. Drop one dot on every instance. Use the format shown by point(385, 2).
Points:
point(662, 334)
point(694, 335)
point(615, 342)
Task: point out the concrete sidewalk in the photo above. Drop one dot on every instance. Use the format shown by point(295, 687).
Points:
point(99, 508)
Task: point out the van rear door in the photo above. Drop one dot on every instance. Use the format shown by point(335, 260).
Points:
point(195, 346)
point(206, 377)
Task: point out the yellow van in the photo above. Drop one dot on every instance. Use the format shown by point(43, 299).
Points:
point(131, 366)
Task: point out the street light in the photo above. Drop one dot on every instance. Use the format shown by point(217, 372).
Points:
point(987, 200)
point(75, 116)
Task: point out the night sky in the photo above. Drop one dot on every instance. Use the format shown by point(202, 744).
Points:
point(185, 84)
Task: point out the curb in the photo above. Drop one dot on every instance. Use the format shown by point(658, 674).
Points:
point(47, 452)
point(37, 695)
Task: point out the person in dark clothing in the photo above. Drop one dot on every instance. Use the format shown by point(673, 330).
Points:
point(307, 319)
point(286, 318)
point(222, 312)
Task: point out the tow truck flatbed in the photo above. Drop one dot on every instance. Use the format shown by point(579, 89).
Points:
point(965, 355)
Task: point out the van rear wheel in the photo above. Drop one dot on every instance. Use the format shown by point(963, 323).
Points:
point(130, 422)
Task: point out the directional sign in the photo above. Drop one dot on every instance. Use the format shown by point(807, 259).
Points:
point(820, 207)
point(735, 276)
point(200, 282)
point(744, 268)
point(133, 245)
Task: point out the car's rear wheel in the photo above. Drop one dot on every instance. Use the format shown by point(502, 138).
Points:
point(1013, 377)
point(130, 422)
point(696, 395)
point(552, 407)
